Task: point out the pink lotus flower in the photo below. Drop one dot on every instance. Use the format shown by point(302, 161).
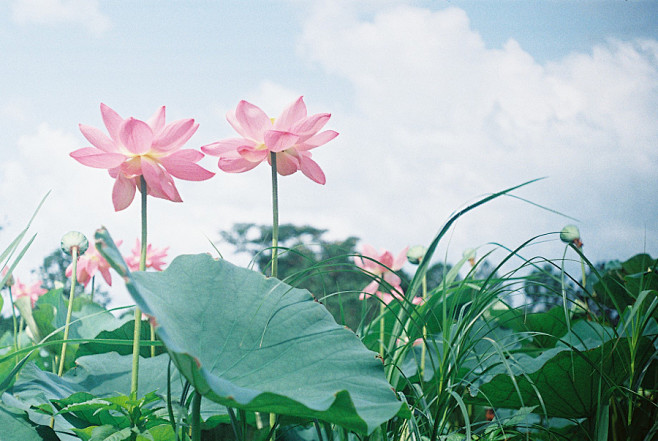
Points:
point(33, 291)
point(291, 136)
point(90, 262)
point(155, 258)
point(9, 281)
point(136, 148)
point(382, 264)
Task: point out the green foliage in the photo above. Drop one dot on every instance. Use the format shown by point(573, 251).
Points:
point(271, 364)
point(580, 362)
point(308, 261)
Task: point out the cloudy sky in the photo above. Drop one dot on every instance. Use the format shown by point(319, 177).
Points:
point(437, 103)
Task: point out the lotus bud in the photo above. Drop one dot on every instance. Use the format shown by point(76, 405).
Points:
point(10, 278)
point(571, 234)
point(415, 254)
point(74, 239)
point(470, 254)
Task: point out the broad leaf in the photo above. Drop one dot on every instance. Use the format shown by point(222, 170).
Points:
point(251, 342)
point(568, 381)
point(14, 426)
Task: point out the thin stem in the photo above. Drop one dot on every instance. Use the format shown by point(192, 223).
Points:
point(196, 417)
point(13, 314)
point(74, 275)
point(170, 408)
point(93, 281)
point(382, 328)
point(152, 339)
point(275, 243)
point(423, 349)
point(134, 379)
point(275, 217)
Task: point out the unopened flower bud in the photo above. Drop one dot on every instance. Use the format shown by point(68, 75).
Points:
point(571, 234)
point(10, 278)
point(74, 239)
point(415, 254)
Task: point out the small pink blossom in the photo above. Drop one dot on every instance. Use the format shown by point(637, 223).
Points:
point(33, 291)
point(291, 136)
point(136, 148)
point(155, 258)
point(382, 265)
point(90, 262)
point(403, 341)
point(9, 281)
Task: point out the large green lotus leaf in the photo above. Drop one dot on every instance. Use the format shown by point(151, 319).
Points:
point(567, 378)
point(621, 284)
point(103, 343)
point(255, 343)
point(544, 327)
point(14, 426)
point(102, 376)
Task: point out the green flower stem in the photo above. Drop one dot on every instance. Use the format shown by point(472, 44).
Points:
point(13, 316)
point(93, 281)
point(423, 349)
point(152, 339)
point(134, 378)
point(382, 329)
point(74, 275)
point(275, 217)
point(196, 417)
point(275, 243)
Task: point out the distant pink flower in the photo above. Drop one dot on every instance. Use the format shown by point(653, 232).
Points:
point(10, 279)
point(155, 258)
point(33, 291)
point(88, 264)
point(382, 264)
point(291, 136)
point(403, 341)
point(136, 148)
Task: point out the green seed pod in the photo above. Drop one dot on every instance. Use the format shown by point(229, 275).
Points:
point(569, 234)
point(74, 239)
point(415, 254)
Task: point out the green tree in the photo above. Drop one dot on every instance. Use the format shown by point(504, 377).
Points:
point(543, 288)
point(324, 267)
point(308, 260)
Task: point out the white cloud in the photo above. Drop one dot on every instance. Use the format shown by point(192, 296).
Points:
point(440, 118)
point(84, 12)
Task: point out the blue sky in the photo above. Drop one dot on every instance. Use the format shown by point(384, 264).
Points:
point(437, 103)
